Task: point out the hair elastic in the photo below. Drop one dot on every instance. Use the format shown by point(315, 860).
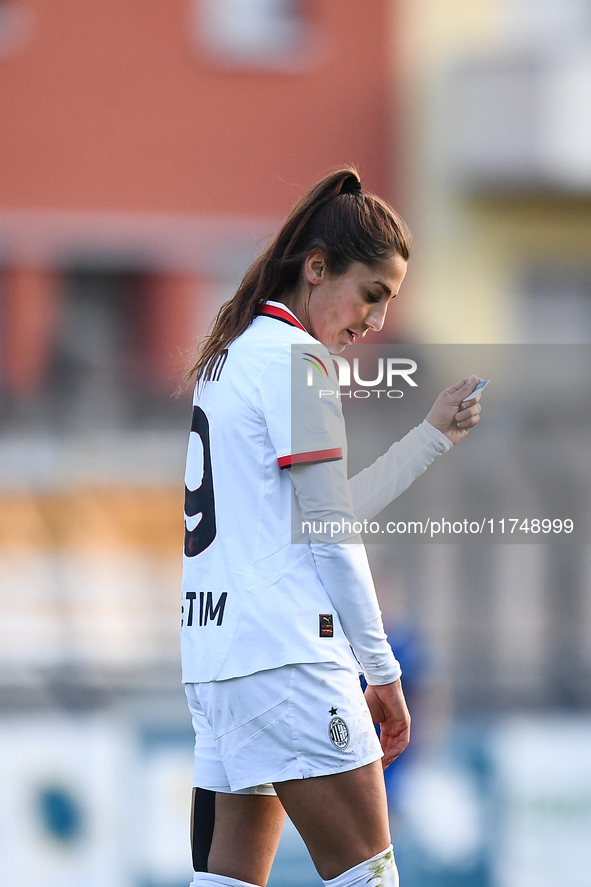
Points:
point(351, 186)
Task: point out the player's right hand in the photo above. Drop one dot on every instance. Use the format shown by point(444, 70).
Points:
point(449, 416)
point(388, 708)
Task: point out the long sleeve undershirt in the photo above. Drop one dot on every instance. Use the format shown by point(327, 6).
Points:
point(390, 475)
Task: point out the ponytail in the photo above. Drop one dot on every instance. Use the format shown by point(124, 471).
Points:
point(336, 217)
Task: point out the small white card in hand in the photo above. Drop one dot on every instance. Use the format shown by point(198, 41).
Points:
point(478, 388)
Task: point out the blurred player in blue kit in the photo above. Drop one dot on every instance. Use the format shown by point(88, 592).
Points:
point(275, 631)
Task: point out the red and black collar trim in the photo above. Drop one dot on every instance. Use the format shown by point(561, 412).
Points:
point(281, 314)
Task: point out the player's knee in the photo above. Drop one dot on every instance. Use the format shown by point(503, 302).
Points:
point(379, 871)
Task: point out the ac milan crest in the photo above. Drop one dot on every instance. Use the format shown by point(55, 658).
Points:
point(338, 732)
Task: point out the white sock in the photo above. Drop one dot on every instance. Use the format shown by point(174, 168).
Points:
point(379, 871)
point(205, 879)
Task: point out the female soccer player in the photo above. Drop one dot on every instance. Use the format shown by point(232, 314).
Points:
point(269, 621)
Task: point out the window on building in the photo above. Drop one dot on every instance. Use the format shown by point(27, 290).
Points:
point(553, 305)
point(265, 33)
point(108, 342)
point(16, 25)
point(105, 357)
point(547, 22)
point(520, 122)
point(92, 378)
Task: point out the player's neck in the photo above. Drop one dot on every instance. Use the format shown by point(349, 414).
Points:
point(296, 302)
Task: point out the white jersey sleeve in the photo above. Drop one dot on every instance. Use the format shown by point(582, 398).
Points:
point(305, 421)
point(316, 453)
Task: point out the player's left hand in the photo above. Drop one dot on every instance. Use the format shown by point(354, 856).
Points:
point(453, 417)
point(387, 706)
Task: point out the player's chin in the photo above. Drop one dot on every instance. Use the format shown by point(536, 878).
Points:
point(337, 348)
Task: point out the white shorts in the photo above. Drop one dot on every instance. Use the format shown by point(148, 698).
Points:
point(292, 722)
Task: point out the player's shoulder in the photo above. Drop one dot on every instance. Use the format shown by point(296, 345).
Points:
point(266, 356)
point(270, 338)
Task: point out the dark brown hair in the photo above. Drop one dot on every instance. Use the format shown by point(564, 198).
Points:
point(335, 217)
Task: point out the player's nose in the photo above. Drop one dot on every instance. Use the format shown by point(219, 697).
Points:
point(376, 317)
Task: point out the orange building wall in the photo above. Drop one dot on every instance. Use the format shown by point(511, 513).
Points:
point(112, 106)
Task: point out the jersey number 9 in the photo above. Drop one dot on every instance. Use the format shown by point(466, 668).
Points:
point(200, 527)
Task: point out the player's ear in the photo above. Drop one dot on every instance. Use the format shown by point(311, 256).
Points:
point(315, 266)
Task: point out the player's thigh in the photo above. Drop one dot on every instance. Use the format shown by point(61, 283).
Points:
point(245, 836)
point(343, 818)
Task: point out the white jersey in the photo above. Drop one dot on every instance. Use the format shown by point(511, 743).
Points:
point(253, 600)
